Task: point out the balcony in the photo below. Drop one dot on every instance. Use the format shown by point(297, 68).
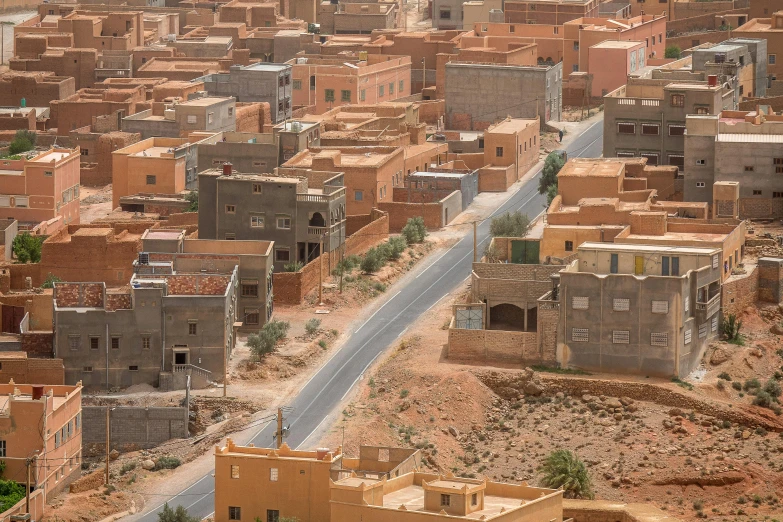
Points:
point(709, 308)
point(321, 198)
point(320, 231)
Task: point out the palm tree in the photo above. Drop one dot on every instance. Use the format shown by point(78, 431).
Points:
point(563, 469)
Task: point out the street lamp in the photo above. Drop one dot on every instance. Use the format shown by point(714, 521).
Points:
point(424, 73)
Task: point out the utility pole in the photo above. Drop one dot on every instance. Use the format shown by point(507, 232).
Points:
point(108, 445)
point(29, 462)
point(475, 243)
point(321, 273)
point(279, 427)
point(225, 365)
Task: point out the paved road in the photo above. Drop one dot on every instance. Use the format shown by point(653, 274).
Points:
point(320, 396)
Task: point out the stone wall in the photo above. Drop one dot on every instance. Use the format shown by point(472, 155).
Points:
point(740, 292)
point(292, 287)
point(131, 428)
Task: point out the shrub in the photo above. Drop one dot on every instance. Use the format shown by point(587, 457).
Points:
point(294, 266)
point(404, 393)
point(192, 199)
point(736, 385)
point(563, 469)
point(167, 462)
point(721, 385)
point(379, 287)
point(128, 466)
point(698, 505)
point(672, 51)
point(725, 376)
point(50, 280)
point(23, 141)
point(731, 329)
point(772, 387)
point(346, 265)
point(175, 515)
point(27, 248)
point(265, 341)
point(414, 230)
point(373, 261)
point(10, 494)
point(509, 225)
point(763, 399)
point(322, 344)
point(397, 246)
point(751, 384)
point(312, 326)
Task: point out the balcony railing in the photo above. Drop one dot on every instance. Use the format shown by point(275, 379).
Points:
point(320, 231)
point(192, 369)
point(320, 198)
point(710, 307)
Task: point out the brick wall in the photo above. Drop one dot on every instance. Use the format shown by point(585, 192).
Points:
point(770, 280)
point(131, 428)
point(493, 346)
point(354, 223)
point(292, 287)
point(697, 23)
point(38, 344)
point(118, 301)
point(32, 371)
point(548, 322)
point(740, 292)
point(399, 213)
point(431, 111)
point(758, 208)
point(496, 179)
point(197, 284)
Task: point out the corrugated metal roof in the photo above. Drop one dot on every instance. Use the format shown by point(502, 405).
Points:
point(750, 138)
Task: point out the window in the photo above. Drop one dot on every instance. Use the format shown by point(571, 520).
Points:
point(659, 339)
point(702, 110)
point(358, 195)
point(686, 305)
point(621, 305)
point(257, 188)
point(345, 95)
point(249, 288)
point(777, 194)
point(273, 474)
point(613, 263)
point(146, 341)
point(252, 316)
point(297, 85)
point(445, 500)
point(678, 160)
point(748, 168)
point(703, 329)
point(272, 515)
point(234, 471)
point(499, 152)
point(152, 180)
point(210, 117)
point(192, 327)
point(230, 111)
point(651, 129)
point(652, 157)
point(626, 128)
point(579, 335)
point(474, 496)
point(282, 254)
point(714, 326)
point(772, 59)
point(621, 336)
point(575, 67)
point(231, 209)
point(362, 95)
point(284, 222)
point(402, 86)
point(580, 302)
point(94, 342)
point(700, 162)
point(87, 369)
point(257, 221)
point(756, 192)
point(57, 439)
point(234, 513)
point(391, 88)
point(660, 307)
point(230, 236)
point(576, 46)
point(445, 14)
point(191, 118)
point(380, 90)
point(715, 263)
point(676, 130)
point(133, 368)
point(2, 448)
point(115, 342)
point(329, 95)
point(688, 336)
point(678, 100)
point(569, 246)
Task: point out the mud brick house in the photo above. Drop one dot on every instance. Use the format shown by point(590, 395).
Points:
point(296, 213)
point(167, 326)
point(37, 89)
point(254, 259)
point(41, 187)
point(96, 149)
point(82, 108)
point(639, 309)
point(17, 366)
point(65, 62)
point(25, 408)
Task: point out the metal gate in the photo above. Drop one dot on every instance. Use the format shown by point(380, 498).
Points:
point(469, 318)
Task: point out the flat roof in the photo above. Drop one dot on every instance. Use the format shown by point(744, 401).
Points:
point(434, 174)
point(154, 152)
point(272, 67)
point(288, 126)
point(512, 125)
point(413, 499)
point(51, 156)
point(163, 234)
point(631, 247)
point(750, 138)
point(206, 101)
point(614, 44)
point(592, 168)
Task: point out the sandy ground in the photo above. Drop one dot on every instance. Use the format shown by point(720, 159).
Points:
point(7, 21)
point(94, 203)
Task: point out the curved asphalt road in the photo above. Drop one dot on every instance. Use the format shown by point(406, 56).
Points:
point(326, 389)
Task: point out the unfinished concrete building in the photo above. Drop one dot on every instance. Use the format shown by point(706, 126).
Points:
point(742, 148)
point(297, 213)
point(248, 152)
point(206, 113)
point(167, 326)
point(254, 259)
point(260, 82)
point(639, 309)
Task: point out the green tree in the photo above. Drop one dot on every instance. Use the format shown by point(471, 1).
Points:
point(563, 469)
point(175, 515)
point(414, 230)
point(551, 194)
point(27, 248)
point(672, 51)
point(552, 165)
point(192, 198)
point(373, 261)
point(50, 280)
point(10, 494)
point(509, 225)
point(265, 341)
point(731, 329)
point(23, 141)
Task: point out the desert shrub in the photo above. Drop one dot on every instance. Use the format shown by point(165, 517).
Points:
point(414, 230)
point(312, 326)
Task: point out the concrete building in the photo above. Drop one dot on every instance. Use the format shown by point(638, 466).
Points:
point(748, 55)
point(743, 148)
point(295, 136)
point(330, 82)
point(641, 309)
point(167, 326)
point(296, 213)
point(260, 82)
point(41, 187)
point(254, 259)
point(551, 12)
point(207, 113)
point(770, 29)
point(159, 165)
point(248, 152)
point(25, 410)
point(356, 17)
point(625, 57)
point(478, 95)
point(370, 173)
point(622, 201)
point(426, 187)
point(337, 485)
point(462, 15)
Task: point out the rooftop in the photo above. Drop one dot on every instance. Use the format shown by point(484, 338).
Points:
point(606, 168)
point(623, 247)
point(512, 125)
point(614, 44)
point(206, 101)
point(750, 138)
point(270, 67)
